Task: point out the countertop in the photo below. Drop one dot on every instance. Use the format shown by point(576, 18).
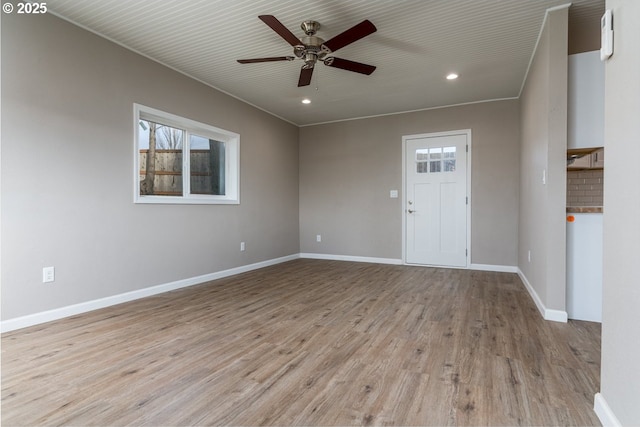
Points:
point(584, 209)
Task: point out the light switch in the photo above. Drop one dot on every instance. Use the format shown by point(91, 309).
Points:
point(48, 274)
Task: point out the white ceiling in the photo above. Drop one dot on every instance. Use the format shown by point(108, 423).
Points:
point(489, 43)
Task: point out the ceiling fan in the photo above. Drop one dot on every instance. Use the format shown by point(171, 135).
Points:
point(312, 49)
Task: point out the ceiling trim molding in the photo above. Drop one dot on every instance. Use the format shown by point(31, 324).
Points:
point(535, 48)
point(411, 111)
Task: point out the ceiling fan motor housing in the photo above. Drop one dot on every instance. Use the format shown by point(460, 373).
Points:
point(311, 48)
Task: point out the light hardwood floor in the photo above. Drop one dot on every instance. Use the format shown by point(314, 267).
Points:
point(310, 342)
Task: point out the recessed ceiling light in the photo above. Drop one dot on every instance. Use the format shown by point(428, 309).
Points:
point(306, 101)
point(452, 76)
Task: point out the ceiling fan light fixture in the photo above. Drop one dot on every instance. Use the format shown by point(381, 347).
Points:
point(452, 76)
point(310, 59)
point(306, 101)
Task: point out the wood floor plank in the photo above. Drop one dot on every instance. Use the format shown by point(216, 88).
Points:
point(310, 342)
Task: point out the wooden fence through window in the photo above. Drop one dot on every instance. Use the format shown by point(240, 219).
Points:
point(207, 171)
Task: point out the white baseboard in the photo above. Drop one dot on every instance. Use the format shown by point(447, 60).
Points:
point(332, 257)
point(547, 313)
point(556, 315)
point(72, 310)
point(604, 412)
point(396, 261)
point(496, 268)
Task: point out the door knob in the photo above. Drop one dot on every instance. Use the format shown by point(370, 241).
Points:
point(410, 211)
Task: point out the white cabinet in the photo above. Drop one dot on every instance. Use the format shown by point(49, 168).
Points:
point(584, 267)
point(585, 109)
point(583, 162)
point(597, 159)
point(591, 158)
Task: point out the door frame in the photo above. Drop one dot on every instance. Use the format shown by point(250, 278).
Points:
point(405, 138)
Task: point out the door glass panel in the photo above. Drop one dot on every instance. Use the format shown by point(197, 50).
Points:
point(435, 167)
point(422, 160)
point(449, 152)
point(422, 167)
point(435, 162)
point(449, 162)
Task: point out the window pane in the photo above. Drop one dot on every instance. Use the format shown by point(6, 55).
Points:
point(422, 154)
point(207, 166)
point(449, 152)
point(435, 166)
point(449, 165)
point(160, 159)
point(422, 167)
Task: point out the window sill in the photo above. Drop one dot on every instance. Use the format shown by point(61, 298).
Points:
point(192, 200)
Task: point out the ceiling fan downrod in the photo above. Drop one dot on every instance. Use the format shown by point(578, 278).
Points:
point(310, 27)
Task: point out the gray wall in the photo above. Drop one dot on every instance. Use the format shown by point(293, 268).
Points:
point(67, 173)
point(620, 379)
point(543, 148)
point(347, 169)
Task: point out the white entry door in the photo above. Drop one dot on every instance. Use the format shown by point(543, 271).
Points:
point(436, 200)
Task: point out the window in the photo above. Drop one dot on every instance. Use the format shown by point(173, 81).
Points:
point(434, 160)
point(178, 160)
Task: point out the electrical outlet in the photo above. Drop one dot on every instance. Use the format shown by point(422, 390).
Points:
point(318, 238)
point(48, 274)
point(242, 246)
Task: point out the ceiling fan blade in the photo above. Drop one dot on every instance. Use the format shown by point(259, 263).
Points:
point(345, 64)
point(349, 36)
point(279, 28)
point(305, 76)
point(272, 59)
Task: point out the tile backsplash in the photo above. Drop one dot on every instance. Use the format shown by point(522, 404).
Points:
point(584, 187)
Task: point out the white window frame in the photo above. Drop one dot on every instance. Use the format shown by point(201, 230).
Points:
point(232, 159)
